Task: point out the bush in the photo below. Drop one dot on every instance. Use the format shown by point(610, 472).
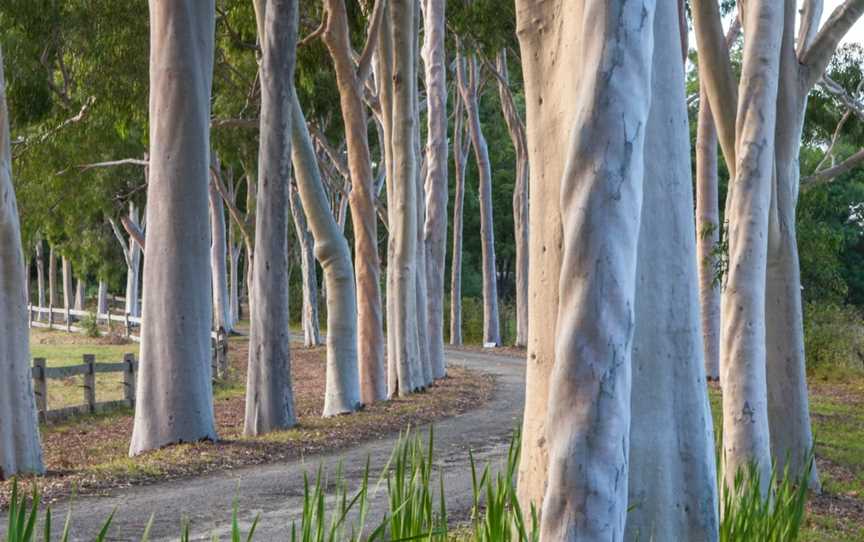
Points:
point(833, 336)
point(90, 325)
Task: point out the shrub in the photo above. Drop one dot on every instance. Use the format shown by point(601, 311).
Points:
point(90, 325)
point(833, 336)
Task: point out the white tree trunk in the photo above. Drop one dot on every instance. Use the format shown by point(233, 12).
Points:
point(742, 346)
point(133, 266)
point(80, 294)
point(586, 127)
point(309, 318)
point(673, 476)
point(218, 263)
point(520, 196)
point(459, 163)
point(174, 391)
point(40, 274)
point(405, 374)
point(102, 298)
point(53, 290)
point(344, 377)
point(468, 85)
point(708, 229)
point(269, 394)
point(234, 282)
point(68, 287)
point(435, 228)
point(20, 449)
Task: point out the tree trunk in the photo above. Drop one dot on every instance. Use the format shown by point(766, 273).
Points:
point(53, 290)
point(102, 299)
point(40, 275)
point(174, 392)
point(234, 284)
point(520, 196)
point(345, 379)
point(218, 264)
point(80, 294)
point(585, 210)
point(673, 476)
point(742, 346)
point(370, 330)
point(133, 267)
point(398, 92)
point(708, 229)
point(435, 227)
point(68, 287)
point(468, 85)
point(269, 394)
point(459, 163)
point(309, 319)
point(20, 449)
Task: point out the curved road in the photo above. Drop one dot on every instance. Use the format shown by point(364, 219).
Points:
point(275, 491)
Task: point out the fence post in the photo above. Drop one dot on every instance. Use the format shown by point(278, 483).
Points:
point(129, 379)
point(40, 388)
point(90, 382)
point(50, 316)
point(128, 325)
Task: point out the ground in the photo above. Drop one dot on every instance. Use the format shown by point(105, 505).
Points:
point(89, 453)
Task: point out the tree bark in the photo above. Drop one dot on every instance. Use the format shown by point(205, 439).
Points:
point(460, 160)
point(468, 85)
point(708, 229)
point(370, 329)
point(269, 394)
point(585, 211)
point(40, 275)
point(80, 294)
point(174, 391)
point(68, 288)
point(20, 449)
point(218, 264)
point(742, 343)
point(309, 318)
point(435, 227)
point(673, 476)
point(345, 378)
point(102, 299)
point(53, 293)
point(520, 195)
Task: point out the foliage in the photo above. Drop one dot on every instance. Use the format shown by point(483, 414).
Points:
point(833, 336)
point(90, 325)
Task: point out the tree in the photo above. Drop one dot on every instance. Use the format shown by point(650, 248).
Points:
point(269, 395)
point(20, 449)
point(132, 249)
point(672, 482)
point(460, 160)
point(468, 89)
point(174, 391)
point(586, 129)
point(218, 263)
point(435, 228)
point(350, 81)
point(309, 279)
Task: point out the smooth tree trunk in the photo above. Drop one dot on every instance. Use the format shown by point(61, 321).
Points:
point(133, 269)
point(708, 229)
point(80, 294)
point(460, 160)
point(673, 477)
point(345, 378)
point(102, 298)
point(520, 195)
point(435, 227)
point(218, 262)
point(174, 392)
point(362, 202)
point(269, 394)
point(586, 114)
point(20, 449)
point(309, 316)
point(468, 86)
point(234, 284)
point(68, 284)
point(40, 275)
point(53, 287)
point(398, 88)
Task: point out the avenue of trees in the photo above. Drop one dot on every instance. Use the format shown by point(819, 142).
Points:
point(642, 214)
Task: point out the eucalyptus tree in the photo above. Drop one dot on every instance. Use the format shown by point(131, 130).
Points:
point(174, 390)
point(269, 394)
point(585, 131)
point(435, 227)
point(40, 274)
point(20, 449)
point(351, 80)
point(762, 324)
point(309, 280)
point(131, 247)
point(468, 81)
point(672, 481)
point(461, 148)
point(218, 254)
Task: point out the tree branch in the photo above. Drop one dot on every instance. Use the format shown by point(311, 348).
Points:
point(122, 241)
point(134, 231)
point(850, 102)
point(364, 64)
point(110, 163)
point(816, 58)
point(235, 213)
point(827, 175)
point(234, 123)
